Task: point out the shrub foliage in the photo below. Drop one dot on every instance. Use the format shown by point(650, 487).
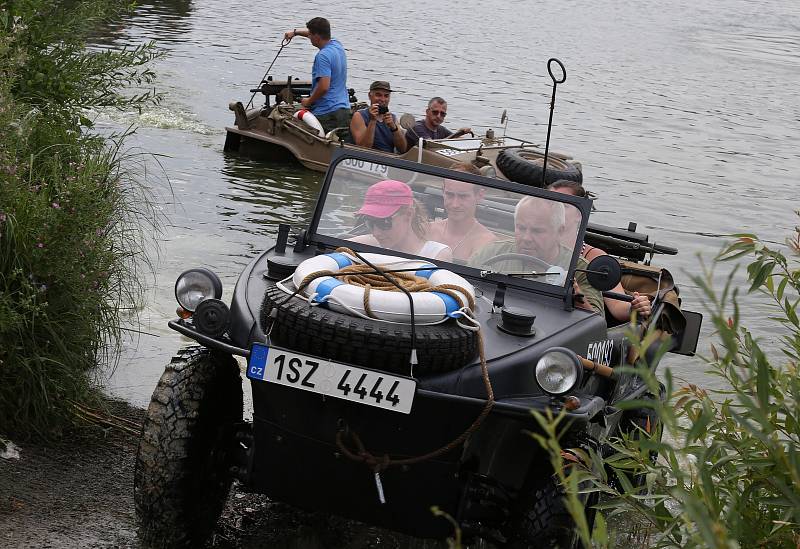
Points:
point(728, 474)
point(70, 217)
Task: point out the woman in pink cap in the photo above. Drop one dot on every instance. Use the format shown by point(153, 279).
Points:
point(396, 222)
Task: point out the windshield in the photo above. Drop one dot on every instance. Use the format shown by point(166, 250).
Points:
point(449, 219)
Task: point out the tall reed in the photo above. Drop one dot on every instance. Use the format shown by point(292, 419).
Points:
point(73, 219)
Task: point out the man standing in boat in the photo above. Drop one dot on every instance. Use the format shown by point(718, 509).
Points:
point(376, 127)
point(329, 100)
point(431, 127)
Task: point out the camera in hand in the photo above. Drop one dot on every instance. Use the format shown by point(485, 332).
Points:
point(383, 109)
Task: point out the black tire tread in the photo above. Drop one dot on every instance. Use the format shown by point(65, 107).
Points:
point(199, 393)
point(516, 167)
point(354, 340)
point(634, 421)
point(544, 520)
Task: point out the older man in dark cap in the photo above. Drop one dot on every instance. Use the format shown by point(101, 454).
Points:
point(376, 127)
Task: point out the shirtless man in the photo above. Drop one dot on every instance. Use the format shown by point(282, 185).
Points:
point(461, 231)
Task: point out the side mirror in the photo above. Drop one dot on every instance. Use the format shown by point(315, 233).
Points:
point(604, 272)
point(407, 121)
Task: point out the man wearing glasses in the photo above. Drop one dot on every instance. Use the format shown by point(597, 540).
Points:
point(431, 127)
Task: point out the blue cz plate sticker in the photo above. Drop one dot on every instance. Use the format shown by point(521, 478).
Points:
point(258, 359)
point(317, 375)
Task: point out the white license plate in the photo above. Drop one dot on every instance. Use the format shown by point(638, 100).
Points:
point(368, 167)
point(449, 152)
point(325, 377)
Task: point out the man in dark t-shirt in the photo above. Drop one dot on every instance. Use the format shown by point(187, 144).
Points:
point(431, 127)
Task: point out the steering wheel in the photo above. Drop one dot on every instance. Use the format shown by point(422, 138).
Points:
point(525, 258)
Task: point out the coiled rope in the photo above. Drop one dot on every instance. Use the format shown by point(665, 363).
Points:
point(380, 463)
point(369, 277)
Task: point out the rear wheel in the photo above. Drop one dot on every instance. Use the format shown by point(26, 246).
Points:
point(182, 478)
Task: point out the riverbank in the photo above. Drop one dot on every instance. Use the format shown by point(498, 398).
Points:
point(76, 214)
point(78, 492)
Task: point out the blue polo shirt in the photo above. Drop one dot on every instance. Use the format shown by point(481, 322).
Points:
point(331, 61)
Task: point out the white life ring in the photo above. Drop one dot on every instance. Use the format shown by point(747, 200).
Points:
point(311, 120)
point(429, 307)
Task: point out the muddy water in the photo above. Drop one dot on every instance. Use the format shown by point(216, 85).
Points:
point(685, 120)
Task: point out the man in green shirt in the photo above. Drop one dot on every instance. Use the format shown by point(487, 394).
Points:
point(538, 226)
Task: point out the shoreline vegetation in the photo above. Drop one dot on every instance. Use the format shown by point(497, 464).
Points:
point(726, 473)
point(73, 217)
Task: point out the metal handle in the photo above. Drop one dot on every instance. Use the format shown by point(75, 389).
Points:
point(618, 296)
point(556, 82)
point(550, 70)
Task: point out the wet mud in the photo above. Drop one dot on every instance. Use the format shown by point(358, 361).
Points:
point(78, 492)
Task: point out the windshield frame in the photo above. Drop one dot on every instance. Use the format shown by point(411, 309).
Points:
point(323, 242)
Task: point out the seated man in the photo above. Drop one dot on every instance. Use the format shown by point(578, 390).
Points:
point(461, 230)
point(375, 129)
point(397, 222)
point(431, 127)
point(538, 224)
point(620, 310)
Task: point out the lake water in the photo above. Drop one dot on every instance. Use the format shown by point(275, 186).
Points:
point(685, 116)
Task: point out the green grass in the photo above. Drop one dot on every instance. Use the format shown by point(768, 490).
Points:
point(71, 216)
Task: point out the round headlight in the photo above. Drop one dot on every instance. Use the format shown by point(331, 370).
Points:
point(558, 371)
point(195, 285)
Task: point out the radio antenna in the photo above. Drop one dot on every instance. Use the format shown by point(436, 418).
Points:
point(556, 82)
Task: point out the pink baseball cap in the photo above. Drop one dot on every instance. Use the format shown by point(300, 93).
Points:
point(385, 198)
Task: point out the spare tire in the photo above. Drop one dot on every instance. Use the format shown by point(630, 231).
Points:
point(525, 166)
point(362, 342)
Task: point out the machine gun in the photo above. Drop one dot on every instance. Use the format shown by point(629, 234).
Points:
point(290, 90)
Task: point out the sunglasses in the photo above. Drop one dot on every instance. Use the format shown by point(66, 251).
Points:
point(435, 112)
point(382, 223)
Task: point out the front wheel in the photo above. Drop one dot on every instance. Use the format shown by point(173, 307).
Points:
point(182, 478)
point(639, 424)
point(543, 520)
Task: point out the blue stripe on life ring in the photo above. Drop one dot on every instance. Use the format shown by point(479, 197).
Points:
point(450, 304)
point(325, 288)
point(427, 271)
point(340, 259)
